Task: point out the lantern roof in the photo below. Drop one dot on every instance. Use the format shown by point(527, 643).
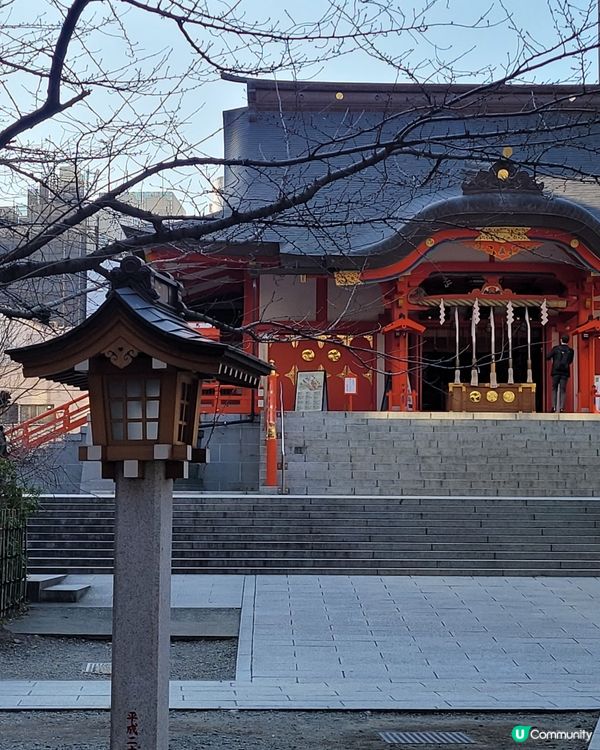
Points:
point(142, 315)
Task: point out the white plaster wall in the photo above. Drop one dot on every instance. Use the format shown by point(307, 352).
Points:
point(287, 298)
point(361, 302)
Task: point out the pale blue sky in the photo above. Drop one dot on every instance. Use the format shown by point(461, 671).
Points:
point(447, 37)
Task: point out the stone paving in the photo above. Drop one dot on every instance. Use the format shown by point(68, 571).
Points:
point(391, 642)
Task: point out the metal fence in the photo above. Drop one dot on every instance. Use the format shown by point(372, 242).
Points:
point(13, 560)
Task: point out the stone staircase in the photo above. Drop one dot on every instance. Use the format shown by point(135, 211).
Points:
point(382, 453)
point(373, 535)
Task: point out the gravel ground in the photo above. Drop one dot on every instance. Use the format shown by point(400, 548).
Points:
point(285, 730)
point(25, 657)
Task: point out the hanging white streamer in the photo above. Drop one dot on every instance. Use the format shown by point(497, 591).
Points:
point(510, 314)
point(510, 317)
point(544, 312)
point(474, 320)
point(528, 324)
point(476, 312)
point(457, 356)
point(493, 378)
point(442, 312)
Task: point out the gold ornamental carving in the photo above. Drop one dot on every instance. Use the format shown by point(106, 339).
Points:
point(475, 397)
point(346, 373)
point(492, 396)
point(308, 355)
point(508, 397)
point(503, 234)
point(503, 242)
point(347, 278)
point(120, 353)
point(334, 355)
point(368, 376)
point(292, 374)
point(345, 340)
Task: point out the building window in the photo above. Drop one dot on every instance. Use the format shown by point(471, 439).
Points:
point(29, 411)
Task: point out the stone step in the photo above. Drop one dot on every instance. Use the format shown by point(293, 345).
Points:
point(396, 517)
point(64, 592)
point(374, 534)
point(348, 552)
point(473, 565)
point(37, 583)
point(342, 570)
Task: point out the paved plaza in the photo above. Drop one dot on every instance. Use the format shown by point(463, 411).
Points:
point(391, 642)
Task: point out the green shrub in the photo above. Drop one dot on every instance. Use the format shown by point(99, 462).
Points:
point(14, 493)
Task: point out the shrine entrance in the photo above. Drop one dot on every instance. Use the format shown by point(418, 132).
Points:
point(439, 369)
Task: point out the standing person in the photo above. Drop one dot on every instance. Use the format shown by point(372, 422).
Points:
point(562, 357)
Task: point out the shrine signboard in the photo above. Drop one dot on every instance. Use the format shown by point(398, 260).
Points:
point(310, 391)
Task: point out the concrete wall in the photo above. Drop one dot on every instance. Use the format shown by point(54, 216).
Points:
point(233, 467)
point(234, 459)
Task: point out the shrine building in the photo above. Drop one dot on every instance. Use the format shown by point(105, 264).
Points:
point(435, 280)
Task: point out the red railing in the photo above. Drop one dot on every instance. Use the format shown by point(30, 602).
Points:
point(225, 399)
point(50, 425)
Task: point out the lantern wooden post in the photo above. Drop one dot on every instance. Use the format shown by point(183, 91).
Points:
point(143, 365)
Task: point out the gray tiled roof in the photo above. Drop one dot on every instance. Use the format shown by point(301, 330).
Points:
point(353, 216)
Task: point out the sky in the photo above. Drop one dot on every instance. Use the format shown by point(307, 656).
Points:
point(476, 40)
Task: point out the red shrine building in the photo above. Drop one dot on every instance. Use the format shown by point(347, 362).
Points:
point(435, 280)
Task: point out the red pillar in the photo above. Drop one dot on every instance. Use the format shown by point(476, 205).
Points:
point(398, 394)
point(271, 430)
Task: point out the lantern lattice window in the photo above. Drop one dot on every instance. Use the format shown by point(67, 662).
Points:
point(134, 408)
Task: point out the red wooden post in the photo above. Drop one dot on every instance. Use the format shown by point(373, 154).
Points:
point(271, 435)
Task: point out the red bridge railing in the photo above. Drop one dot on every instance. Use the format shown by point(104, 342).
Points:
point(50, 425)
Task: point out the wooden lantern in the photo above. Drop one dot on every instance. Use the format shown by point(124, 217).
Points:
point(143, 366)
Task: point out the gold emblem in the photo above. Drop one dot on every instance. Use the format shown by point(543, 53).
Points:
point(347, 278)
point(492, 396)
point(475, 397)
point(508, 397)
point(334, 355)
point(308, 355)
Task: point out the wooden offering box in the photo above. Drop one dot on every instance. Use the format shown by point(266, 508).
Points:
point(481, 398)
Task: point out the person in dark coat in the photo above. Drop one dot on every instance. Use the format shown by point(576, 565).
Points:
point(562, 358)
